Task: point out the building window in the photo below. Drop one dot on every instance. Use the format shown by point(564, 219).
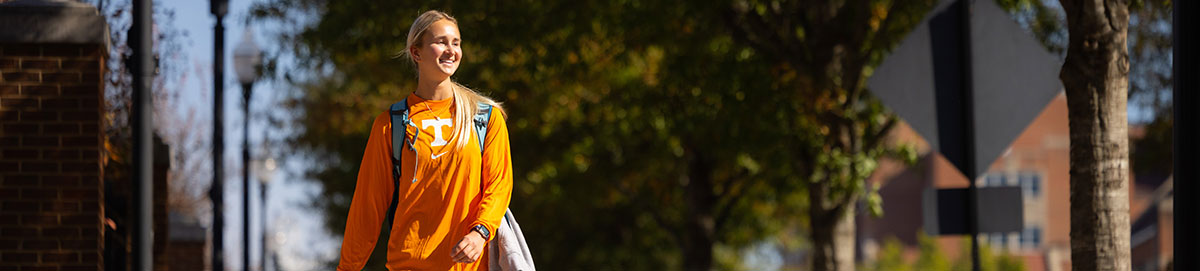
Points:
point(1031, 184)
point(993, 180)
point(997, 239)
point(1031, 237)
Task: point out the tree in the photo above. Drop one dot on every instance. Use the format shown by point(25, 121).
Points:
point(829, 49)
point(1095, 76)
point(1150, 73)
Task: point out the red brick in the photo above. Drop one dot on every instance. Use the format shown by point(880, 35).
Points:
point(60, 257)
point(20, 154)
point(9, 90)
point(60, 77)
point(22, 50)
point(8, 63)
point(64, 232)
point(27, 129)
point(80, 219)
point(89, 77)
point(19, 207)
point(29, 64)
point(9, 244)
point(80, 141)
point(80, 116)
point(36, 141)
point(80, 193)
point(51, 129)
point(39, 167)
point(39, 244)
point(39, 90)
point(88, 206)
point(9, 166)
point(87, 103)
point(19, 257)
point(81, 64)
point(18, 231)
point(58, 206)
point(80, 244)
point(40, 268)
point(12, 103)
point(90, 257)
point(21, 76)
point(61, 50)
point(39, 194)
point(87, 90)
point(80, 268)
point(38, 220)
point(89, 128)
point(9, 193)
point(60, 181)
point(39, 116)
point(9, 115)
point(90, 232)
point(60, 103)
point(20, 181)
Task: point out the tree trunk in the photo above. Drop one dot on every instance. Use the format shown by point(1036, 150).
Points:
point(832, 234)
point(698, 231)
point(1096, 79)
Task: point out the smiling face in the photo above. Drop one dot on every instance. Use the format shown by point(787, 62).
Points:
point(439, 51)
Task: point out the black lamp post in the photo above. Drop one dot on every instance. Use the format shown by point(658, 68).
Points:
point(217, 191)
point(247, 60)
point(265, 171)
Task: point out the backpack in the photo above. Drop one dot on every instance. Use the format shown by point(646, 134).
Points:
point(508, 251)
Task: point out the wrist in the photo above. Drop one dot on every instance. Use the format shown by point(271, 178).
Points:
point(481, 231)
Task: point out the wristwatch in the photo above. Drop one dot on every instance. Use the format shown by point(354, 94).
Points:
point(483, 231)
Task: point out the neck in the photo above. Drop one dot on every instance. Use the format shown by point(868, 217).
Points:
point(435, 89)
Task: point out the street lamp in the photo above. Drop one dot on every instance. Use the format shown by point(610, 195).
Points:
point(247, 60)
point(265, 169)
point(216, 193)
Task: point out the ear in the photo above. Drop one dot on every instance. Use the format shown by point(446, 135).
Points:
point(412, 51)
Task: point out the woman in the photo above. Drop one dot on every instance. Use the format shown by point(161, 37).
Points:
point(451, 195)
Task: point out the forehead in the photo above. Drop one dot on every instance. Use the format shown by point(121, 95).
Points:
point(443, 28)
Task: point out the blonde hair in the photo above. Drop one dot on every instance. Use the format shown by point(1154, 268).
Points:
point(465, 99)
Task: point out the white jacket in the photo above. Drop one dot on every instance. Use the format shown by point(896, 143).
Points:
point(508, 251)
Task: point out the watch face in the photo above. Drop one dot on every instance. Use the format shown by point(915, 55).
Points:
point(482, 230)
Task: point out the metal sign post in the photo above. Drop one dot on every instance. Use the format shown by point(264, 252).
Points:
point(1186, 129)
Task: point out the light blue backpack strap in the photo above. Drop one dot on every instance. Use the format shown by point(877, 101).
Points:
point(482, 116)
point(399, 133)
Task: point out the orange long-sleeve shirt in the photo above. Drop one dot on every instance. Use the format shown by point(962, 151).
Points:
point(453, 190)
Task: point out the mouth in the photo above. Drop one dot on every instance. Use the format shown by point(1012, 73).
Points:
point(446, 61)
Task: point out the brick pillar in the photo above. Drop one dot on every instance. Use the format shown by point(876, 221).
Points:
point(51, 92)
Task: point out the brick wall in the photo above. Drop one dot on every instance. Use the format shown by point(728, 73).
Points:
point(50, 164)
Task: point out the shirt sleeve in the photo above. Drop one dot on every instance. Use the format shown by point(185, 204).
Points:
point(372, 194)
point(497, 175)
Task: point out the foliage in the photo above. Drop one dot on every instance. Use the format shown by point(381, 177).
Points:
point(828, 49)
point(931, 258)
point(620, 113)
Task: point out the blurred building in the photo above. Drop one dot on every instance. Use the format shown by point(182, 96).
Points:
point(1038, 162)
point(65, 199)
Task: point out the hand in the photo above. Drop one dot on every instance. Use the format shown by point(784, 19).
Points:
point(468, 249)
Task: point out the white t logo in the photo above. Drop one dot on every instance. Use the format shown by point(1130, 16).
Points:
point(437, 131)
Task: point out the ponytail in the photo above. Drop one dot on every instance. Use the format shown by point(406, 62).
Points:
point(466, 103)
